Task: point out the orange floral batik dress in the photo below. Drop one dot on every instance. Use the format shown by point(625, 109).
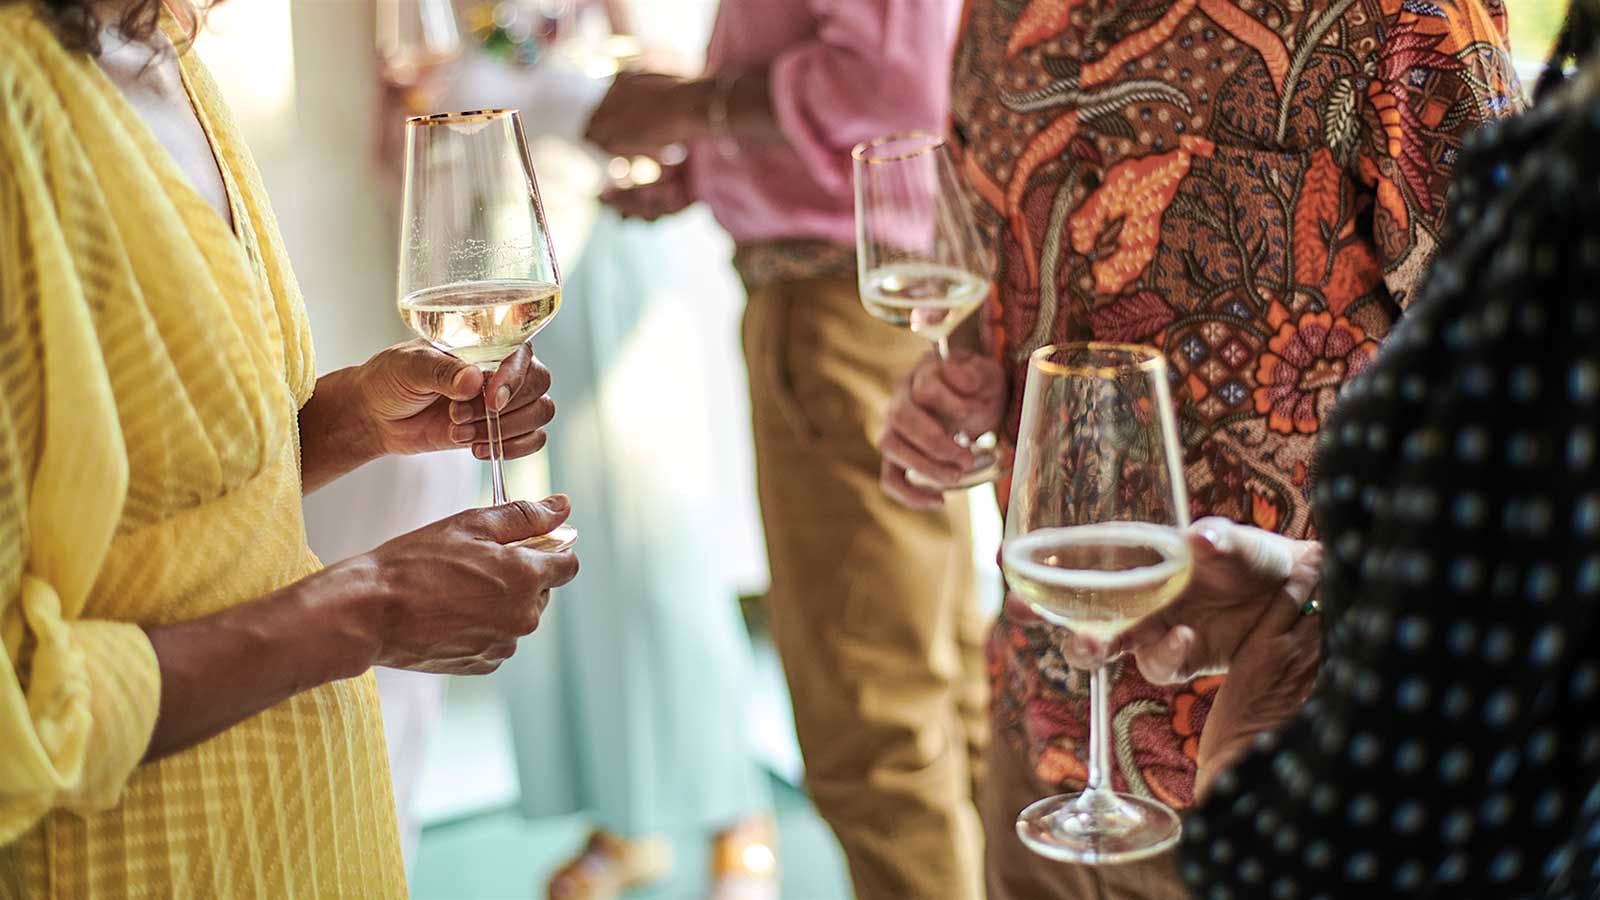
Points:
point(1254, 186)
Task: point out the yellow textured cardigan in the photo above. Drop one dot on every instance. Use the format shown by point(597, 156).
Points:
point(152, 362)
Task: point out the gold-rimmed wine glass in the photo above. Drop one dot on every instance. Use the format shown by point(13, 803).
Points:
point(1094, 542)
point(478, 274)
point(921, 262)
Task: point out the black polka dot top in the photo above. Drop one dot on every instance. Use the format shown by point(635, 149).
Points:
point(1452, 749)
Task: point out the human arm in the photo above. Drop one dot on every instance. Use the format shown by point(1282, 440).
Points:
point(870, 68)
point(452, 597)
point(644, 112)
point(413, 398)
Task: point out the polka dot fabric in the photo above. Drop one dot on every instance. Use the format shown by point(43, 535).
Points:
point(1453, 746)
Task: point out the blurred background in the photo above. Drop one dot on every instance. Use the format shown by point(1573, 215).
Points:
point(503, 778)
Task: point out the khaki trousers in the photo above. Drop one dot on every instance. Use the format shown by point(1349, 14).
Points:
point(873, 605)
point(1013, 872)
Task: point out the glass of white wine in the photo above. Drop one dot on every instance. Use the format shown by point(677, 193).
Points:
point(1094, 542)
point(920, 260)
point(415, 39)
point(478, 274)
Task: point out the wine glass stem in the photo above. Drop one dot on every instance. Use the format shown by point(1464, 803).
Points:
point(1099, 732)
point(960, 437)
point(497, 477)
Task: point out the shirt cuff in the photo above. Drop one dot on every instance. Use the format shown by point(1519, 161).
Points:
point(124, 699)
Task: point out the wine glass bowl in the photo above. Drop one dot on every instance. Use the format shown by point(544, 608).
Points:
point(415, 38)
point(478, 275)
point(1094, 542)
point(921, 262)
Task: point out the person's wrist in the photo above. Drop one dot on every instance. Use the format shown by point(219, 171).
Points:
point(698, 101)
point(344, 607)
point(360, 430)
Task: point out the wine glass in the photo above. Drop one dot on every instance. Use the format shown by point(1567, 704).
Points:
point(478, 274)
point(920, 261)
point(1094, 542)
point(415, 38)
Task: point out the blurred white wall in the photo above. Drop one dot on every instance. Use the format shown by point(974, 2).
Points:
point(333, 201)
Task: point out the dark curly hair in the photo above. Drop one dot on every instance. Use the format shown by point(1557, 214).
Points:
point(78, 24)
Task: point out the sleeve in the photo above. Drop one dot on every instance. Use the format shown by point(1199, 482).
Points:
point(1439, 72)
point(78, 697)
point(874, 67)
point(1456, 727)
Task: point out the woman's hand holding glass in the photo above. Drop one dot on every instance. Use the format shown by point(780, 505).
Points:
point(416, 398)
point(937, 401)
point(454, 596)
point(451, 597)
point(1240, 573)
point(1248, 611)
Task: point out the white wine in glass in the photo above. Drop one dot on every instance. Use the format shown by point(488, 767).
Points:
point(1097, 579)
point(927, 298)
point(1094, 542)
point(921, 262)
point(481, 322)
point(478, 274)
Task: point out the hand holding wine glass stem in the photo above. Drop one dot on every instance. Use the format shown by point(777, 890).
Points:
point(1095, 544)
point(961, 437)
point(459, 289)
point(450, 597)
point(496, 395)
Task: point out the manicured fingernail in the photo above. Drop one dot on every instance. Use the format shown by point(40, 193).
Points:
point(502, 396)
point(558, 503)
point(460, 412)
point(460, 434)
point(459, 383)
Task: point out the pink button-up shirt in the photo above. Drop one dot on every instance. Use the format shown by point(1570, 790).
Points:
point(841, 72)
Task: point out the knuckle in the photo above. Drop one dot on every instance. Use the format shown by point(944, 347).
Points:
point(566, 566)
point(539, 376)
point(525, 512)
point(528, 620)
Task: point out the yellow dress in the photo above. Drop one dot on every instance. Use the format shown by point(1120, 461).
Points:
point(152, 362)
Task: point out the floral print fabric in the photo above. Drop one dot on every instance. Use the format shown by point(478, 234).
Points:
point(1252, 186)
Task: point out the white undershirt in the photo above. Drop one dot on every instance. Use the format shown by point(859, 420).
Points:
point(148, 76)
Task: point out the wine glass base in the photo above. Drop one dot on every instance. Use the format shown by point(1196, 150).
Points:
point(1098, 829)
point(986, 471)
point(560, 538)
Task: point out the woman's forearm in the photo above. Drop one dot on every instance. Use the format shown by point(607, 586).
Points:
point(335, 437)
point(221, 669)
